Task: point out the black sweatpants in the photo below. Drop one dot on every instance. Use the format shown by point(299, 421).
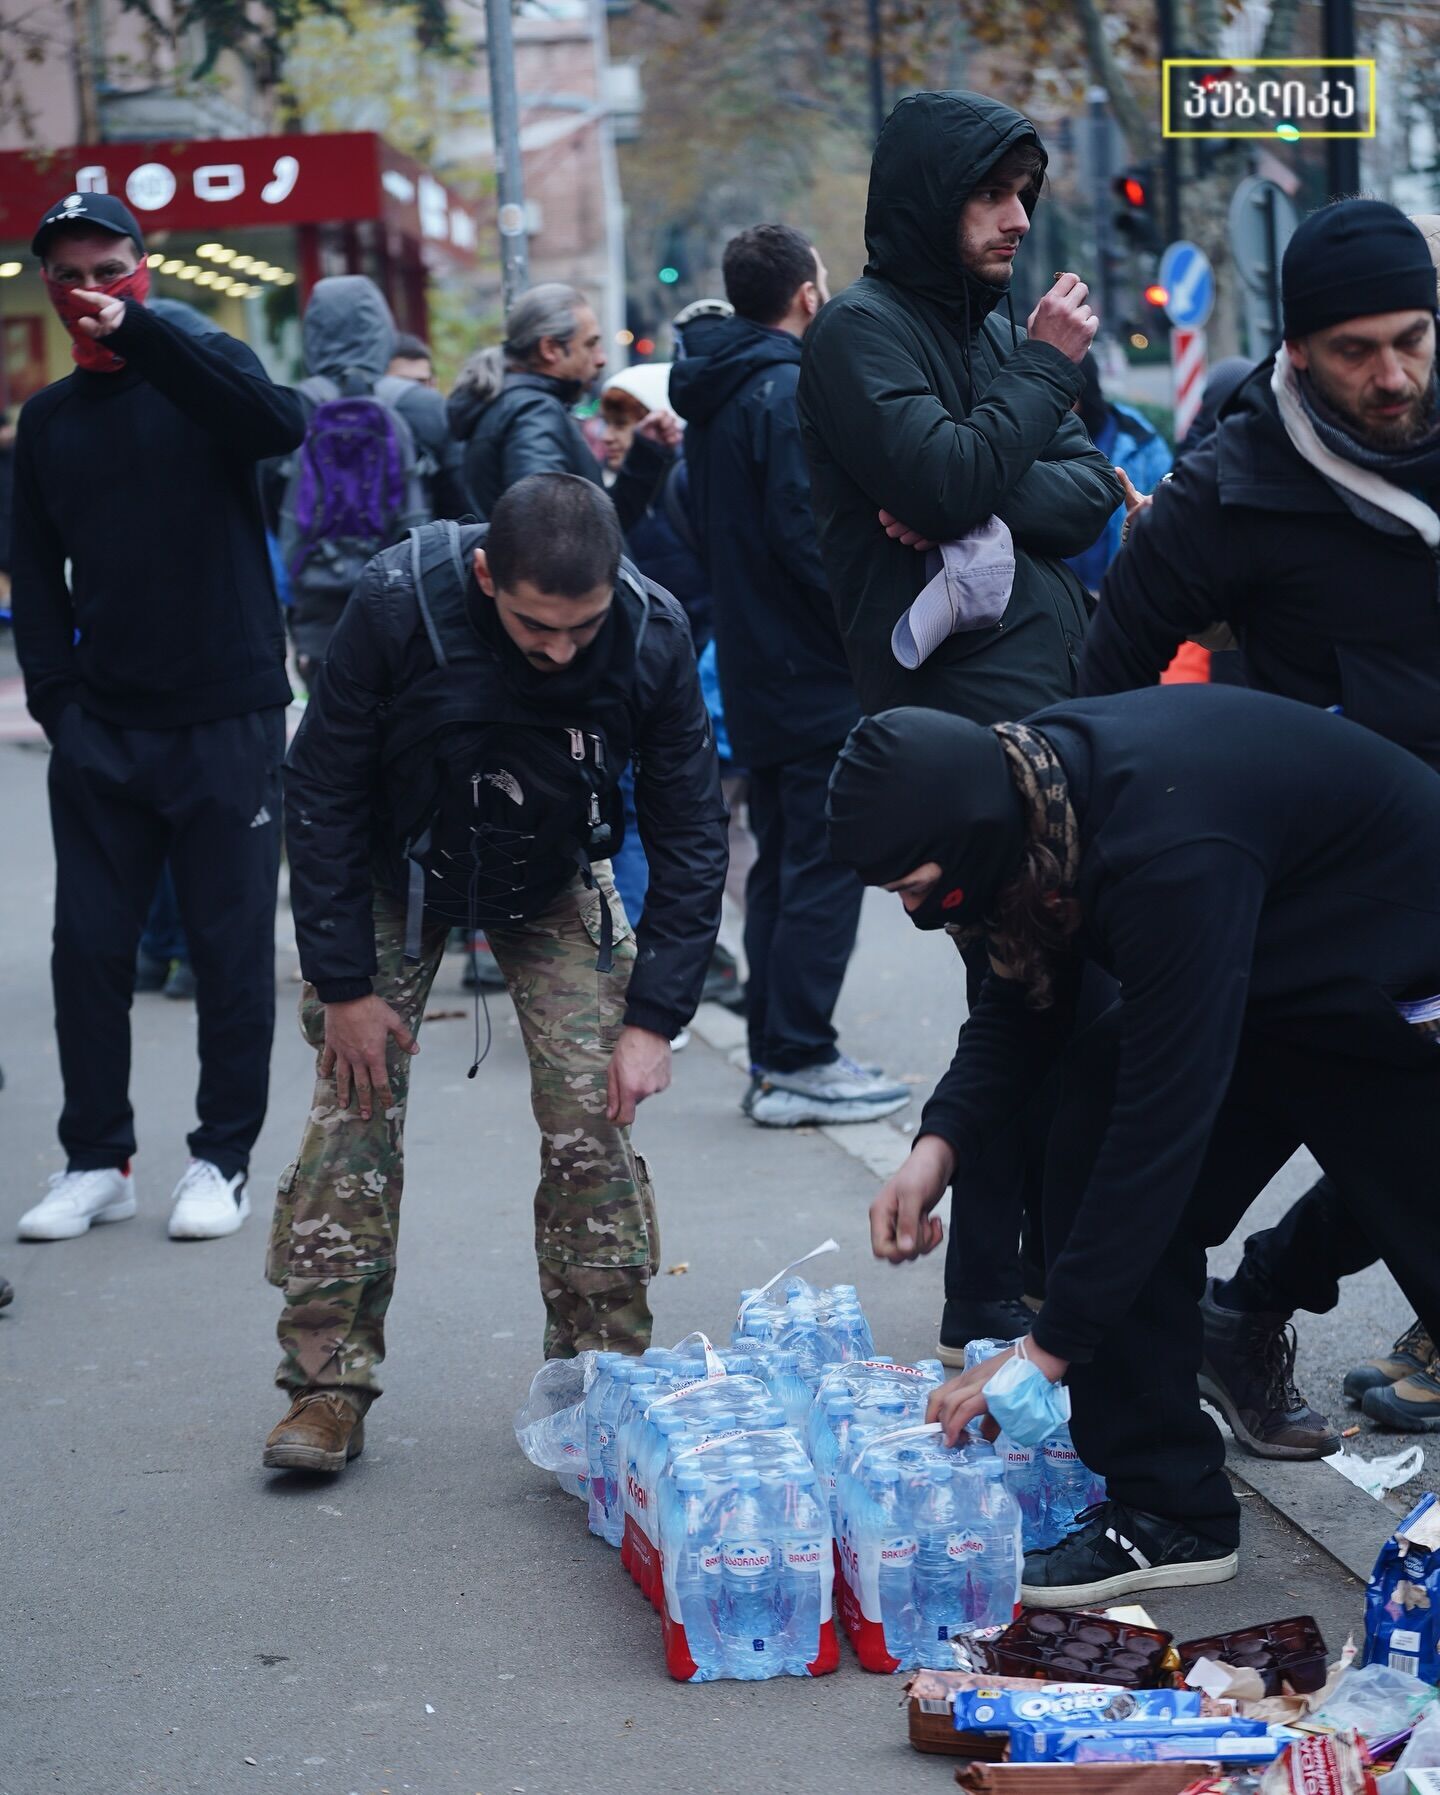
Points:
point(801, 914)
point(206, 795)
point(1298, 1264)
point(1373, 1125)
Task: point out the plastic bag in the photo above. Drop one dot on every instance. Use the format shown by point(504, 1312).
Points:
point(550, 1423)
point(1376, 1702)
point(1422, 1753)
point(1378, 1476)
point(1402, 1603)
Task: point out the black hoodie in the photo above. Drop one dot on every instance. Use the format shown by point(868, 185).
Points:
point(783, 674)
point(916, 396)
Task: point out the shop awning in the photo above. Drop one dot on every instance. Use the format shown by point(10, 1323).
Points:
point(229, 184)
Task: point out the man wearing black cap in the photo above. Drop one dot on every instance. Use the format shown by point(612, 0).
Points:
point(153, 653)
point(1310, 523)
point(1263, 880)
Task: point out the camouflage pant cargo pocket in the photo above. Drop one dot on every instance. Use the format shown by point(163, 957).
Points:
point(277, 1255)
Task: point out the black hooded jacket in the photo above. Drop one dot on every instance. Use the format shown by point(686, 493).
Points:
point(783, 674)
point(528, 428)
point(341, 837)
point(1247, 865)
point(916, 397)
point(1326, 608)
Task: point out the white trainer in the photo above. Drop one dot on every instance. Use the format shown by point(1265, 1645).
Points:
point(208, 1205)
point(76, 1200)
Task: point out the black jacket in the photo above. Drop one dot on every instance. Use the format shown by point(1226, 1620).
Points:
point(528, 428)
point(915, 398)
point(1246, 863)
point(783, 675)
point(144, 481)
point(1326, 608)
point(337, 806)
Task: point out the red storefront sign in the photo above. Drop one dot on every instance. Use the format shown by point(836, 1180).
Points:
point(225, 184)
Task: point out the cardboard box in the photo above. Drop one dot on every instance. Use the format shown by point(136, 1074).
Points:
point(1080, 1779)
point(1424, 1782)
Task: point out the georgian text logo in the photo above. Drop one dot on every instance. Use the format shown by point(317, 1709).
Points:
point(1268, 97)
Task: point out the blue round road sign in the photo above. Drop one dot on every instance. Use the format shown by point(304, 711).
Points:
point(1186, 275)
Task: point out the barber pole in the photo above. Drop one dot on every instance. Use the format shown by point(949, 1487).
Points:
point(1187, 359)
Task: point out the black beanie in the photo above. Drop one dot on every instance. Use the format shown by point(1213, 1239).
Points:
point(1354, 259)
point(915, 785)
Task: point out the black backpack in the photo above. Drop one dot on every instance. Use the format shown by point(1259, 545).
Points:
point(500, 804)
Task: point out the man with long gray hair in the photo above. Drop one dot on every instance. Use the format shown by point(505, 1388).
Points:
point(511, 406)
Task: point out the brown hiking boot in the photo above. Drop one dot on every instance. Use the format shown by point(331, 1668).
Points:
point(1412, 1352)
point(1411, 1406)
point(323, 1432)
point(1248, 1373)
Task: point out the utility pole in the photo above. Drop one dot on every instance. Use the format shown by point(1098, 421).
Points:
point(877, 67)
point(1342, 154)
point(509, 174)
point(1098, 101)
point(1170, 146)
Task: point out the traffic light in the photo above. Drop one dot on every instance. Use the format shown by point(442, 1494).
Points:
point(1134, 217)
point(674, 260)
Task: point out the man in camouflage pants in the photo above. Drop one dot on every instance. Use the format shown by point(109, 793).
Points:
point(595, 1024)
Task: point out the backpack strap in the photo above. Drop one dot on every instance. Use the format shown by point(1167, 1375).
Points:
point(437, 570)
point(630, 579)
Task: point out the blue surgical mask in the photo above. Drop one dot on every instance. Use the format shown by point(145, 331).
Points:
point(1027, 1405)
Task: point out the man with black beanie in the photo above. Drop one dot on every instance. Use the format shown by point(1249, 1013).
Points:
point(1310, 524)
point(1263, 881)
point(151, 643)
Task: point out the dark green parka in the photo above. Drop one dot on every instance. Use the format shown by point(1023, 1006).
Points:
point(916, 396)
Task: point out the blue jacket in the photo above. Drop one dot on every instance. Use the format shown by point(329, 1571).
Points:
point(1132, 442)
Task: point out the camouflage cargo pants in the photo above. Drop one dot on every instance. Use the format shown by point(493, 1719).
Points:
point(337, 1211)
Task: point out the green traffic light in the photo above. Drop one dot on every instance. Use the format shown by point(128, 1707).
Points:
point(668, 276)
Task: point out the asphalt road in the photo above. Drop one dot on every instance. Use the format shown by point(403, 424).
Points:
point(179, 1619)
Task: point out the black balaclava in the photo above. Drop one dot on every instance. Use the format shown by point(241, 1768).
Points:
point(915, 785)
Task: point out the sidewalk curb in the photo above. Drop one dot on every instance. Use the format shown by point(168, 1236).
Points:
point(1332, 1513)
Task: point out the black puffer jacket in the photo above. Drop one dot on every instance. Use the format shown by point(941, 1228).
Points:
point(1326, 608)
point(783, 675)
point(915, 399)
point(337, 805)
point(528, 428)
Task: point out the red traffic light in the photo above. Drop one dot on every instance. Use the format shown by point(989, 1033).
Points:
point(1155, 294)
point(1132, 190)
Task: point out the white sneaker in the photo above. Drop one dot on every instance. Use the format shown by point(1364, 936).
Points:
point(76, 1200)
point(678, 1043)
point(207, 1204)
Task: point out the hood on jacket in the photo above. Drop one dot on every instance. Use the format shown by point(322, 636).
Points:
point(721, 354)
point(347, 325)
point(929, 158)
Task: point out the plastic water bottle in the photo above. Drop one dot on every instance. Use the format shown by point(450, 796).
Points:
point(691, 1555)
point(832, 1441)
point(850, 1332)
point(993, 1574)
point(896, 1545)
point(806, 1561)
point(803, 1335)
point(749, 1581)
point(942, 1527)
point(1024, 1473)
point(1070, 1485)
point(932, 1370)
point(606, 1394)
point(790, 1389)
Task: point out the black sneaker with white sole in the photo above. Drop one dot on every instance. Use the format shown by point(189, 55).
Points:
point(1115, 1551)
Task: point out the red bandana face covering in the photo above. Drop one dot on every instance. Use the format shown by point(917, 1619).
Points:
point(91, 352)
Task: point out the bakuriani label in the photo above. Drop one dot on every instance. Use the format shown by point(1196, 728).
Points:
point(804, 1555)
point(898, 1550)
point(748, 1558)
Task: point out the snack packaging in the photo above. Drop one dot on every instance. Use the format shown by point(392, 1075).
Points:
point(986, 1710)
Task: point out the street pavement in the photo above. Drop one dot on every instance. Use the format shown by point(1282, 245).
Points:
point(437, 1619)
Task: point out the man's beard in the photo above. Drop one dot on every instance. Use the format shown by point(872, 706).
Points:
point(972, 264)
point(1380, 432)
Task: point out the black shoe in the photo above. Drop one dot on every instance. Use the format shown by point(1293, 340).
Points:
point(1249, 1374)
point(1412, 1352)
point(7, 1292)
point(150, 973)
point(180, 984)
point(1006, 1318)
point(1411, 1406)
point(1116, 1550)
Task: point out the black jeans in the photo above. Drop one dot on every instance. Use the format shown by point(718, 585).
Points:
point(1375, 1128)
point(121, 800)
point(1298, 1264)
point(801, 914)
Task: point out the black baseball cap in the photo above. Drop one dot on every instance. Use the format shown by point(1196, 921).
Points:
point(97, 211)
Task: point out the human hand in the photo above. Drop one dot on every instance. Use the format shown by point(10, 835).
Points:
point(957, 1403)
point(661, 426)
point(901, 1225)
point(899, 532)
point(109, 312)
point(1135, 503)
point(1063, 319)
point(355, 1038)
point(639, 1068)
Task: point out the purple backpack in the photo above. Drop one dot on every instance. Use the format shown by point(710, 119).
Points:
point(353, 488)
